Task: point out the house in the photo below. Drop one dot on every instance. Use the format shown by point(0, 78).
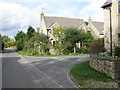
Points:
point(48, 22)
point(96, 28)
point(115, 23)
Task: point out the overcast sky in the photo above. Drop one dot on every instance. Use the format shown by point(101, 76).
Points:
point(16, 15)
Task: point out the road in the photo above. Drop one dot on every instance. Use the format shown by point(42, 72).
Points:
point(37, 72)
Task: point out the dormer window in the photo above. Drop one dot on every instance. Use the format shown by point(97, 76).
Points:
point(119, 6)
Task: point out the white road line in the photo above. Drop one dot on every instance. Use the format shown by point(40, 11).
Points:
point(43, 73)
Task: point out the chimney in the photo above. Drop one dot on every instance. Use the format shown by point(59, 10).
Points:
point(89, 19)
point(42, 15)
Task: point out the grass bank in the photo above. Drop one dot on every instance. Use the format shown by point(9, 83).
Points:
point(86, 77)
point(22, 52)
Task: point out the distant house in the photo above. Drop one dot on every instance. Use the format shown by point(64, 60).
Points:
point(115, 16)
point(96, 28)
point(48, 22)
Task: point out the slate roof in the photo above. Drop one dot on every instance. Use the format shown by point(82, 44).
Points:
point(99, 26)
point(63, 21)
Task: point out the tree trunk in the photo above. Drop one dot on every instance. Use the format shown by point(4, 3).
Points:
point(74, 50)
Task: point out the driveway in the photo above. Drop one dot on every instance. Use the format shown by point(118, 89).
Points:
point(37, 72)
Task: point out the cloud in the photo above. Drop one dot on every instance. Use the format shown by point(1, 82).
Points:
point(93, 10)
point(16, 16)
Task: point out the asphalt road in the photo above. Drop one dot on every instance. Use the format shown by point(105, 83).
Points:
point(37, 72)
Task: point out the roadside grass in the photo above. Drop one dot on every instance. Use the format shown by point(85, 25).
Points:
point(22, 52)
point(84, 75)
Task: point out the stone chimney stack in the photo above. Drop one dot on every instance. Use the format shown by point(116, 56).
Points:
point(42, 15)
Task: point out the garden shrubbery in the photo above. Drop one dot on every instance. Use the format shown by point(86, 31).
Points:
point(96, 46)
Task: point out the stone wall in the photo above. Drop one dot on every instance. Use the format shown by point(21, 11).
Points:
point(109, 66)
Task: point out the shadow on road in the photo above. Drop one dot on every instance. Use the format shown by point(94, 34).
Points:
point(8, 51)
point(11, 58)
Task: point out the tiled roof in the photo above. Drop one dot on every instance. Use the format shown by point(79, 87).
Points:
point(63, 21)
point(99, 26)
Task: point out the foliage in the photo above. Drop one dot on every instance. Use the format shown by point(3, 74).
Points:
point(66, 38)
point(117, 51)
point(37, 43)
point(88, 39)
point(7, 42)
point(20, 38)
point(86, 23)
point(58, 32)
point(45, 48)
point(96, 46)
point(1, 43)
point(30, 31)
point(83, 50)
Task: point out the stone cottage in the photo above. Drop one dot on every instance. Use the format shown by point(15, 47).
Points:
point(96, 28)
point(48, 22)
point(115, 22)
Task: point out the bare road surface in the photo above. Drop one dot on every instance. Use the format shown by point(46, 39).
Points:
point(37, 72)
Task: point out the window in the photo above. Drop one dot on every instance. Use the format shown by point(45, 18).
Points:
point(119, 6)
point(119, 37)
point(41, 31)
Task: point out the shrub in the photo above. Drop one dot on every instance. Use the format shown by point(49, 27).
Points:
point(44, 47)
point(34, 52)
point(97, 46)
point(117, 51)
point(83, 50)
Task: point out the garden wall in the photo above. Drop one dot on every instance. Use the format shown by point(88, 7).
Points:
point(109, 66)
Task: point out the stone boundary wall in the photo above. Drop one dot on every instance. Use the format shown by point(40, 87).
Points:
point(109, 66)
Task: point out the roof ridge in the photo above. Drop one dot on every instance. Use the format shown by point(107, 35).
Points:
point(98, 21)
point(64, 17)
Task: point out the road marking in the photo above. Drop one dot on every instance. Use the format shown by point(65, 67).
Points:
point(42, 73)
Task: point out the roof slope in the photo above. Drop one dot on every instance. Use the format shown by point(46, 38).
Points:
point(63, 21)
point(99, 26)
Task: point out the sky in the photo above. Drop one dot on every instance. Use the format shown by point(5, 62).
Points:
point(18, 15)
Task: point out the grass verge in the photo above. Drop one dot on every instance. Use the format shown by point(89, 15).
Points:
point(86, 77)
point(22, 52)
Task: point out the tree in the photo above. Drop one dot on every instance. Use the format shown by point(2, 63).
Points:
point(36, 41)
point(1, 43)
point(5, 41)
point(89, 39)
point(30, 31)
point(20, 38)
point(74, 36)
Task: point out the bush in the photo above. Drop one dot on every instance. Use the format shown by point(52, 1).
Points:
point(83, 50)
point(45, 48)
point(117, 51)
point(34, 52)
point(97, 46)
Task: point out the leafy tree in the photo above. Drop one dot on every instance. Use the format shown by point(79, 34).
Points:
point(86, 23)
point(5, 41)
point(74, 35)
point(1, 43)
point(88, 40)
point(58, 33)
point(20, 38)
point(35, 42)
point(30, 31)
